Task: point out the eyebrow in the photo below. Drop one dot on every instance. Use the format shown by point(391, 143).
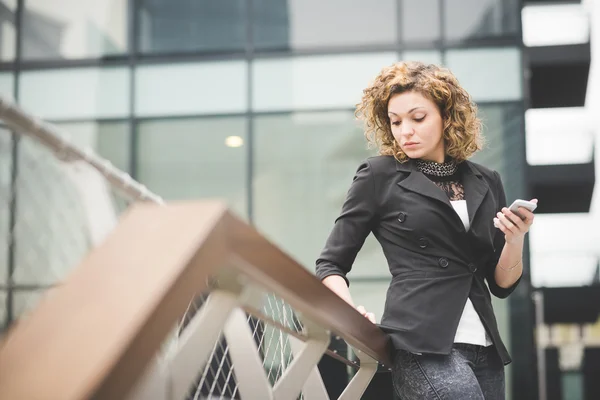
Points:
point(411, 110)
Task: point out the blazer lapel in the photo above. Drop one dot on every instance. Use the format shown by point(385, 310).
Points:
point(419, 183)
point(475, 189)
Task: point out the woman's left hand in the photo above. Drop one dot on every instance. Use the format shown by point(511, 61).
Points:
point(513, 227)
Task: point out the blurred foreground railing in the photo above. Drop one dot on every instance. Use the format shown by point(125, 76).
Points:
point(177, 301)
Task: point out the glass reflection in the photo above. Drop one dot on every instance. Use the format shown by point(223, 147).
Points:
point(189, 158)
point(474, 19)
point(170, 26)
point(420, 21)
point(303, 167)
point(56, 29)
point(76, 93)
point(298, 24)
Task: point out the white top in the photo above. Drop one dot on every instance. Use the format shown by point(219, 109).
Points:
point(470, 328)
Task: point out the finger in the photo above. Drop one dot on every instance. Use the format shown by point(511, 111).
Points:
point(507, 223)
point(500, 225)
point(528, 216)
point(361, 310)
point(514, 218)
point(371, 317)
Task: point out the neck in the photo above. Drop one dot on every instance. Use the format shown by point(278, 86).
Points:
point(439, 160)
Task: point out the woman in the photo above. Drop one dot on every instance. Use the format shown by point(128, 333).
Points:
point(444, 228)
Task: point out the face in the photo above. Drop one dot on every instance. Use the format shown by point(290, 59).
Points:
point(417, 126)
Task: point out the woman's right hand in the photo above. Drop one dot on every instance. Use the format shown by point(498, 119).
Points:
point(337, 285)
point(369, 315)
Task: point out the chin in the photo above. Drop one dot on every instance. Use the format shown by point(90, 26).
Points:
point(413, 153)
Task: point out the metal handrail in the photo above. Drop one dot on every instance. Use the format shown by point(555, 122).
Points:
point(57, 141)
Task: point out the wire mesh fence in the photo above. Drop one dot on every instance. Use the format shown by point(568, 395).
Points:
point(53, 213)
point(271, 333)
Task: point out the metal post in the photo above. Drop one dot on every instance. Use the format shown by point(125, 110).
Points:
point(538, 300)
point(359, 383)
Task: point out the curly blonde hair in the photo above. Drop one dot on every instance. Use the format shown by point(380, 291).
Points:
point(462, 127)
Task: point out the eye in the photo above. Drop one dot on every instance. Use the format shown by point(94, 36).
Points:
point(396, 123)
point(420, 119)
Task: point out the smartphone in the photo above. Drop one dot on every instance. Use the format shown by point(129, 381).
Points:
point(514, 207)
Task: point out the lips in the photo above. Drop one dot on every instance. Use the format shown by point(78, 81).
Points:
point(410, 144)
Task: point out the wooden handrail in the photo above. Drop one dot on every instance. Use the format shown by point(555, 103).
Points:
point(94, 335)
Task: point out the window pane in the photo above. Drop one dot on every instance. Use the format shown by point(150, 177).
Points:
point(194, 159)
point(85, 93)
point(484, 19)
point(184, 25)
point(503, 128)
point(197, 88)
point(303, 167)
point(8, 9)
point(488, 74)
point(298, 24)
point(420, 21)
point(7, 83)
point(315, 82)
point(56, 29)
point(5, 198)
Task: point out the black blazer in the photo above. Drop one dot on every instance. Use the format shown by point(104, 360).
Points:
point(435, 263)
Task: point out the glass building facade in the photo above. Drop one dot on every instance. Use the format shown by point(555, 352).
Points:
point(252, 101)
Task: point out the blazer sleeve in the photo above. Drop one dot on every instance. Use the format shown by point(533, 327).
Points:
point(498, 247)
point(351, 228)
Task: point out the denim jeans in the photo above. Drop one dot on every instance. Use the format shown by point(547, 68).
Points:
point(469, 372)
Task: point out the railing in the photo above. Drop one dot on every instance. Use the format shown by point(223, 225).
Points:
point(181, 300)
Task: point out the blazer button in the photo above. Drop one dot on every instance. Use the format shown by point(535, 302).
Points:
point(472, 268)
point(402, 217)
point(443, 262)
point(423, 242)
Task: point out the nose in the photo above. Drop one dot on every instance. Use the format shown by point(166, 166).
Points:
point(406, 129)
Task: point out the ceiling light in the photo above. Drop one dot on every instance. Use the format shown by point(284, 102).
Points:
point(234, 141)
